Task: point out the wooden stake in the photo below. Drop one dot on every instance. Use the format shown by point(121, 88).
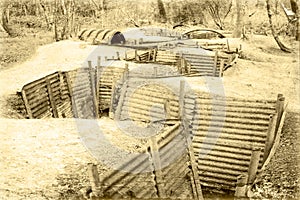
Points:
point(111, 106)
point(94, 179)
point(98, 61)
point(118, 55)
point(254, 162)
point(27, 106)
point(74, 107)
point(279, 109)
point(181, 99)
point(241, 187)
point(228, 47)
point(221, 68)
point(51, 99)
point(157, 167)
point(93, 88)
point(215, 63)
point(270, 136)
point(154, 55)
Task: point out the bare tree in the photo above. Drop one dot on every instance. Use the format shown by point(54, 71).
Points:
point(161, 11)
point(5, 20)
point(218, 10)
point(295, 8)
point(238, 30)
point(275, 35)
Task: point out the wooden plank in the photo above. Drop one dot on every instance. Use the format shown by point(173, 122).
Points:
point(181, 99)
point(215, 63)
point(195, 176)
point(71, 96)
point(93, 88)
point(253, 167)
point(221, 68)
point(270, 135)
point(94, 179)
point(27, 106)
point(157, 167)
point(51, 98)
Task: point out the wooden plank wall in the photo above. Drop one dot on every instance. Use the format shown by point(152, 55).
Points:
point(161, 171)
point(225, 132)
point(108, 78)
point(82, 93)
point(147, 103)
point(43, 97)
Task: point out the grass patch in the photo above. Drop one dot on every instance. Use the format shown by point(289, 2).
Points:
point(18, 49)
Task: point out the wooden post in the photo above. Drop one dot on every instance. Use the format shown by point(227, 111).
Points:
point(111, 106)
point(228, 47)
point(94, 179)
point(74, 108)
point(270, 135)
point(93, 88)
point(279, 109)
point(181, 99)
point(105, 58)
point(254, 162)
point(51, 99)
point(136, 55)
point(157, 167)
point(215, 63)
point(118, 55)
point(221, 68)
point(126, 72)
point(196, 186)
point(195, 174)
point(113, 57)
point(125, 55)
point(241, 187)
point(98, 61)
point(149, 55)
point(182, 65)
point(27, 106)
point(154, 55)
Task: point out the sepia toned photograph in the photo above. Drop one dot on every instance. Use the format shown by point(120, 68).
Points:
point(150, 99)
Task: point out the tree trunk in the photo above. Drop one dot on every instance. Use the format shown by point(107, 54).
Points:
point(162, 12)
point(46, 16)
point(63, 6)
point(276, 37)
point(295, 5)
point(298, 22)
point(239, 20)
point(5, 22)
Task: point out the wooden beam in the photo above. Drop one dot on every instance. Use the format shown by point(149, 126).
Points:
point(93, 88)
point(254, 162)
point(157, 167)
point(215, 63)
point(181, 99)
point(27, 105)
point(74, 107)
point(241, 186)
point(221, 68)
point(94, 179)
point(51, 99)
